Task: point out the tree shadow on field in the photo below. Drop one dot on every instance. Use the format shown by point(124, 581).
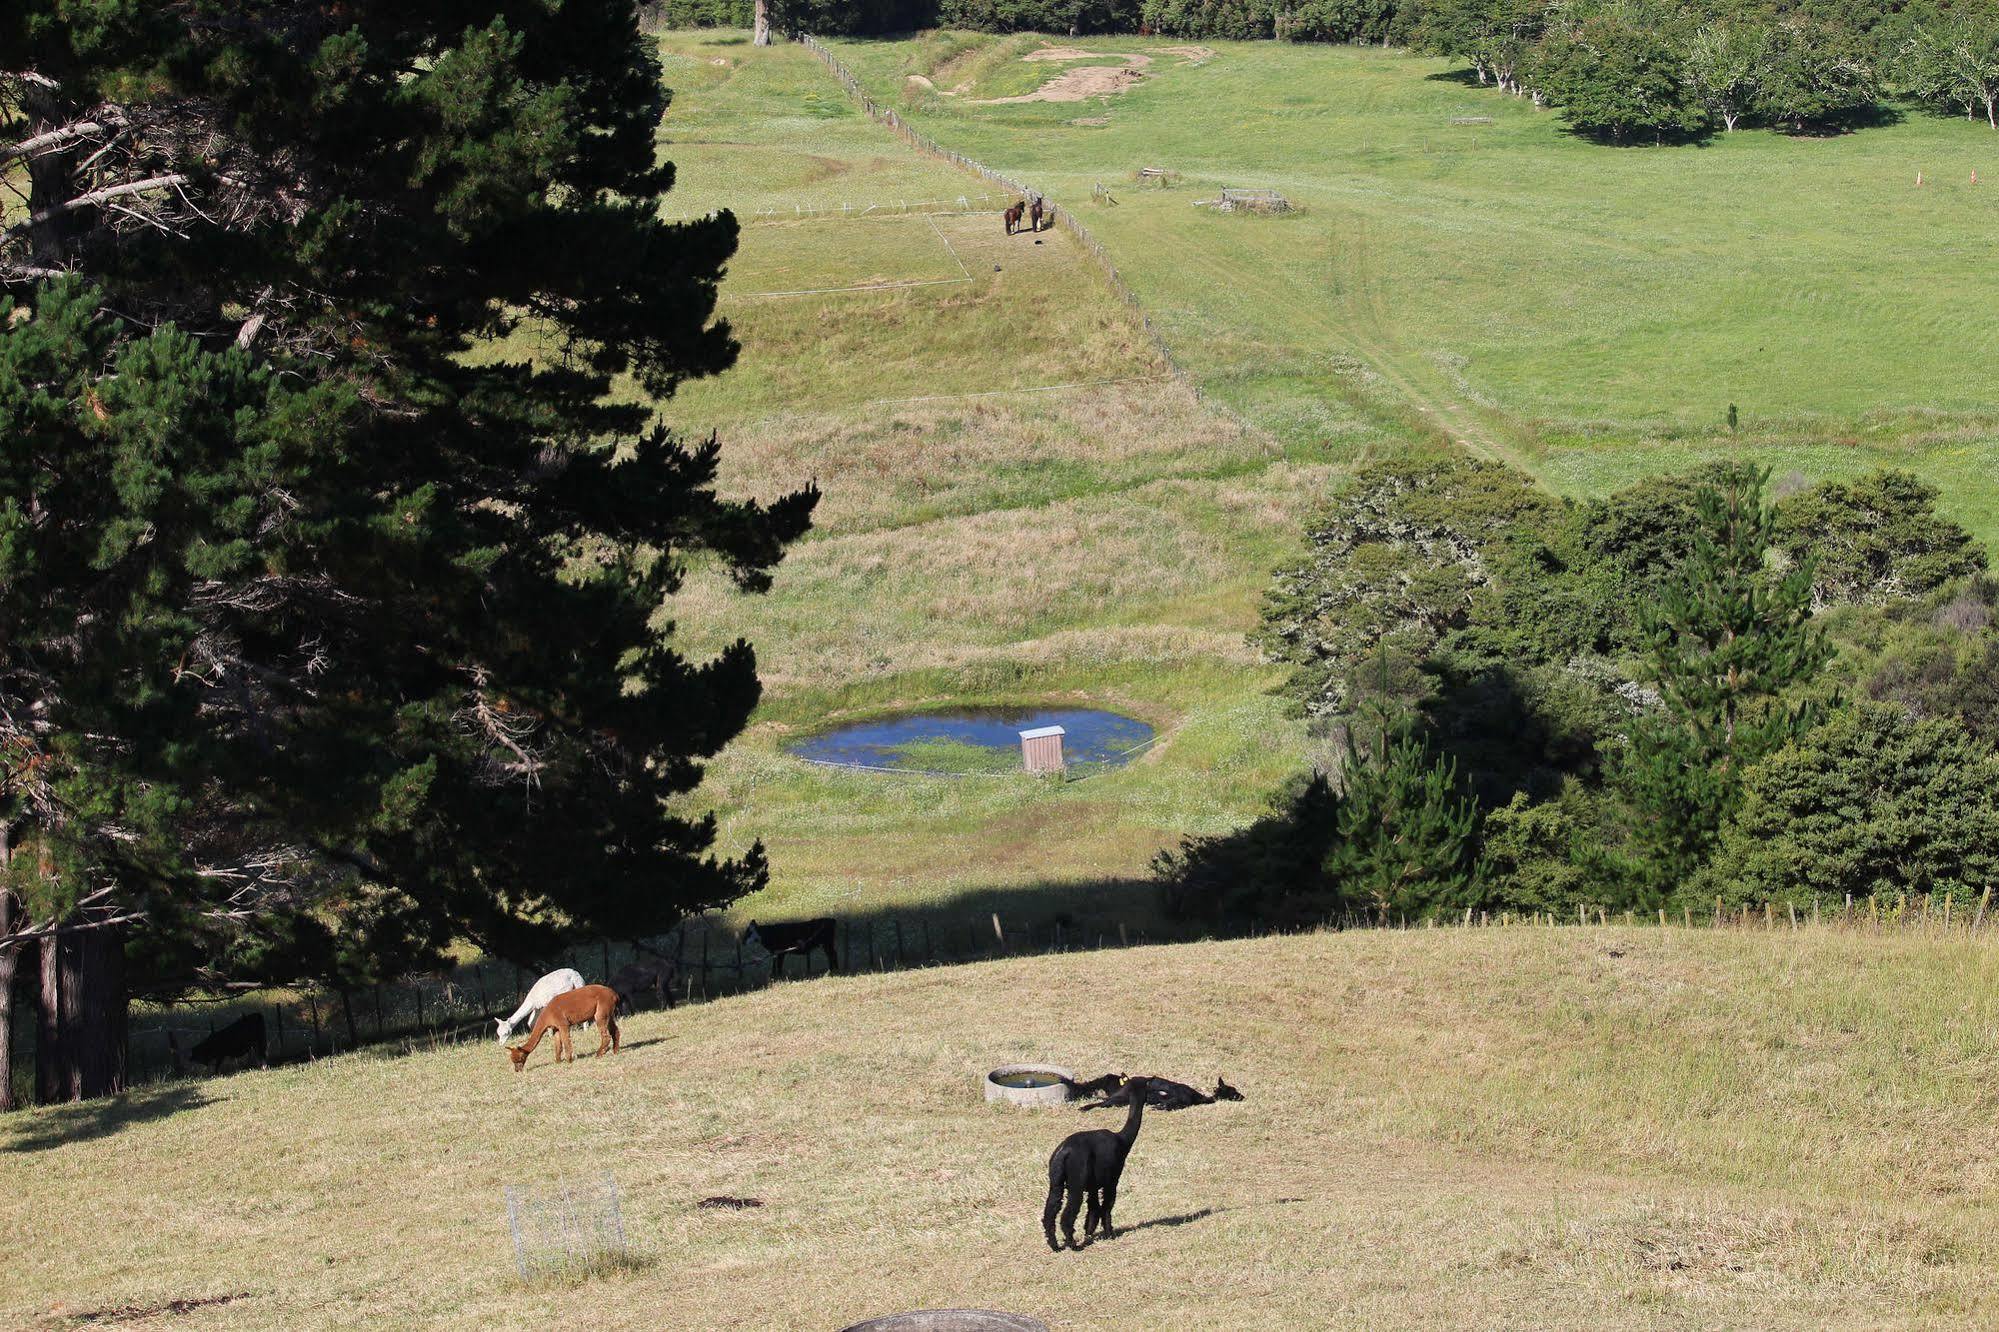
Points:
point(1466, 77)
point(58, 1126)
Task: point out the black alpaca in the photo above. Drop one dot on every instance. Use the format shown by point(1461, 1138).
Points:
point(1162, 1094)
point(1102, 1086)
point(799, 937)
point(241, 1039)
point(1087, 1166)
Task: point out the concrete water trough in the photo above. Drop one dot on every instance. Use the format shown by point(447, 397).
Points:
point(1029, 1084)
point(950, 1320)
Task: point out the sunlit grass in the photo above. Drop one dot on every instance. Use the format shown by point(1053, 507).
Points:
point(1621, 1128)
point(1589, 312)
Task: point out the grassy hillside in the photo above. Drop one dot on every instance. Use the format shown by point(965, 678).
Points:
point(1588, 311)
point(1520, 1127)
point(1022, 505)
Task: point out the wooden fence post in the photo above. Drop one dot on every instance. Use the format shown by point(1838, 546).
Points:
point(1717, 910)
point(898, 941)
point(999, 933)
point(313, 1000)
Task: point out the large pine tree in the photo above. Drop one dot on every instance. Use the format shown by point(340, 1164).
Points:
point(397, 679)
point(1726, 645)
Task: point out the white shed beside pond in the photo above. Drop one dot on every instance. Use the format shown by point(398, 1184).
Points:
point(1041, 748)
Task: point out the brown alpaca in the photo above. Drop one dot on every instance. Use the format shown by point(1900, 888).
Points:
point(592, 1003)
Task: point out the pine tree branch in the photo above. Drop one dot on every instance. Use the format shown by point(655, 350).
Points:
point(93, 198)
point(50, 140)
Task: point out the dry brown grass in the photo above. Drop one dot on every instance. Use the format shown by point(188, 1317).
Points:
point(938, 594)
point(914, 461)
point(1488, 1128)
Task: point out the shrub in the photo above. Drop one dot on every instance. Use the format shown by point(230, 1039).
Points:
point(1875, 539)
point(1874, 801)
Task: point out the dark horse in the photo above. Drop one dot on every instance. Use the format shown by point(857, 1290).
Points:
point(1013, 216)
point(1034, 213)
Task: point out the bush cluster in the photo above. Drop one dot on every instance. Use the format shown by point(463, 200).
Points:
point(1679, 692)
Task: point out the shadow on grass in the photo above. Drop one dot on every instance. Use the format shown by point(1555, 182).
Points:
point(1167, 1222)
point(59, 1126)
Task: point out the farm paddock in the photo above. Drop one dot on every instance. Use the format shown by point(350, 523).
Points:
point(1568, 1128)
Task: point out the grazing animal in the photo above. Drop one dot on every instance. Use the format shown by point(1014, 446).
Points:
point(556, 982)
point(1164, 1094)
point(1087, 1166)
point(1013, 215)
point(800, 937)
point(1034, 212)
point(637, 977)
point(1102, 1086)
point(592, 1003)
point(239, 1040)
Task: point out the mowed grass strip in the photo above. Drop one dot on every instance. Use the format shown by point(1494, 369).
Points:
point(1524, 288)
point(1521, 1127)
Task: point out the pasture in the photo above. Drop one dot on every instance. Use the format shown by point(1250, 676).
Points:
point(1585, 311)
point(1022, 506)
point(1560, 1128)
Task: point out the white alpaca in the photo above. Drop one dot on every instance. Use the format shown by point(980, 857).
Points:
point(555, 982)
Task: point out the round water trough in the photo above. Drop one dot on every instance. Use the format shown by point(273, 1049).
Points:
point(1029, 1084)
point(951, 1320)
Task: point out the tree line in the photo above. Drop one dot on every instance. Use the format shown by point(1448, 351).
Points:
point(1691, 690)
point(334, 628)
point(1620, 70)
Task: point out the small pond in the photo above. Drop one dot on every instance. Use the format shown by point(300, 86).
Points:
point(975, 739)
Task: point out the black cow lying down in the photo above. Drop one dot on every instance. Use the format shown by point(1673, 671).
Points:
point(1162, 1094)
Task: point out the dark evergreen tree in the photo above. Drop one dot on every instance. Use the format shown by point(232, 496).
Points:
point(1873, 802)
point(1724, 646)
point(415, 645)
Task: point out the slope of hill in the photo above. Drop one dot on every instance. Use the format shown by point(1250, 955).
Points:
point(1573, 1128)
point(1588, 311)
point(1022, 506)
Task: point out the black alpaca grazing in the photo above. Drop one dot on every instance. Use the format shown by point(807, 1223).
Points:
point(1087, 1166)
point(1163, 1094)
point(239, 1040)
point(799, 937)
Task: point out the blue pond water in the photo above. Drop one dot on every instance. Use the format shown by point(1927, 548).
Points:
point(1093, 736)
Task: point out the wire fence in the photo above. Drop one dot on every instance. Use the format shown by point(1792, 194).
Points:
point(707, 960)
point(1064, 217)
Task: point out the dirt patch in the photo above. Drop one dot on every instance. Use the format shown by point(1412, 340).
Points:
point(1077, 53)
point(1190, 55)
point(1083, 82)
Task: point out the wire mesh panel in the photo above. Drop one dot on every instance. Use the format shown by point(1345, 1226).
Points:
point(574, 1223)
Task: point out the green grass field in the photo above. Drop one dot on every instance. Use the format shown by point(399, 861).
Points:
point(1589, 312)
point(1563, 1129)
point(1022, 505)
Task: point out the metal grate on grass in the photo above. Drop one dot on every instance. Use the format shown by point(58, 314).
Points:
point(572, 1227)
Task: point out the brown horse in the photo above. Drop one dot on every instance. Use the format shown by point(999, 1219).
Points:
point(1013, 215)
point(1034, 214)
point(592, 1003)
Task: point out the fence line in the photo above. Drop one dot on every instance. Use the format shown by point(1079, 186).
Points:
point(898, 208)
point(1065, 217)
point(710, 963)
